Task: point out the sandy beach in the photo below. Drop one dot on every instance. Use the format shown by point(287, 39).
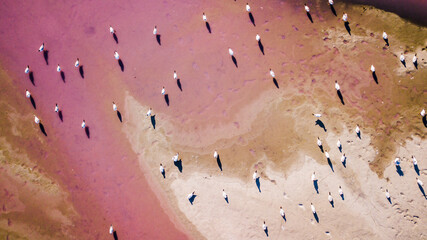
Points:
point(73, 185)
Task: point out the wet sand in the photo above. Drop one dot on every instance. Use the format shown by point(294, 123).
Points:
point(238, 111)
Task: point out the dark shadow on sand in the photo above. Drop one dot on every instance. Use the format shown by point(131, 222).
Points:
point(62, 76)
point(333, 10)
point(330, 164)
point(316, 217)
point(340, 148)
point(258, 184)
point(359, 135)
point(42, 129)
point(341, 97)
point(332, 203)
point(158, 39)
point(345, 163)
point(81, 71)
point(342, 196)
point(320, 123)
point(115, 235)
point(404, 63)
point(115, 38)
point(389, 200)
point(178, 82)
point(399, 171)
point(218, 161)
point(425, 121)
point(167, 99)
point(164, 173)
point(284, 217)
point(153, 121)
point(191, 200)
point(416, 64)
point(417, 170)
point(122, 66)
point(422, 190)
point(46, 56)
point(33, 102)
point(226, 199)
point(316, 186)
point(31, 76)
point(309, 17)
point(178, 164)
point(386, 42)
point(234, 61)
point(374, 75)
point(61, 117)
point(119, 115)
point(321, 148)
point(87, 132)
point(275, 82)
point(261, 47)
point(347, 27)
point(208, 27)
point(266, 231)
point(251, 17)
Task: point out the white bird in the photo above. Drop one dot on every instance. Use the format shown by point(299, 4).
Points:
point(230, 51)
point(326, 154)
point(343, 158)
point(345, 17)
point(318, 115)
point(215, 155)
point(257, 37)
point(264, 227)
point(414, 59)
point(402, 57)
point(313, 177)
point(190, 195)
point(155, 30)
point(114, 107)
point(307, 9)
point(385, 36)
point(423, 112)
point(204, 17)
point(397, 161)
point(420, 183)
point(272, 73)
point(176, 157)
point(337, 86)
point(357, 130)
point(330, 199)
point(248, 8)
point(319, 142)
point(282, 212)
point(41, 48)
point(161, 168)
point(116, 55)
point(372, 68)
point(27, 93)
point(340, 192)
point(111, 229)
point(36, 119)
point(163, 91)
point(339, 144)
point(27, 69)
point(58, 68)
point(224, 194)
point(414, 161)
point(77, 63)
point(387, 194)
point(331, 2)
point(175, 76)
point(313, 209)
point(254, 176)
point(112, 31)
point(83, 124)
point(56, 108)
point(149, 112)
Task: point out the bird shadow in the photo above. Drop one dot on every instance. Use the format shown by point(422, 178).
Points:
point(115, 38)
point(425, 121)
point(62, 76)
point(275, 82)
point(386, 42)
point(284, 217)
point(122, 66)
point(316, 217)
point(31, 76)
point(330, 164)
point(87, 131)
point(191, 200)
point(167, 99)
point(119, 115)
point(258, 184)
point(261, 47)
point(61, 117)
point(226, 199)
point(389, 200)
point(417, 170)
point(153, 121)
point(178, 164)
point(404, 63)
point(332, 203)
point(218, 161)
point(340, 148)
point(316, 186)
point(251, 17)
point(42, 129)
point(33, 102)
point(374, 75)
point(416, 64)
point(399, 171)
point(309, 17)
point(234, 60)
point(359, 135)
point(266, 231)
point(81, 71)
point(321, 125)
point(46, 56)
point(321, 148)
point(115, 235)
point(178, 82)
point(333, 10)
point(164, 173)
point(422, 190)
point(208, 27)
point(341, 97)
point(347, 27)
point(344, 163)
point(158, 39)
